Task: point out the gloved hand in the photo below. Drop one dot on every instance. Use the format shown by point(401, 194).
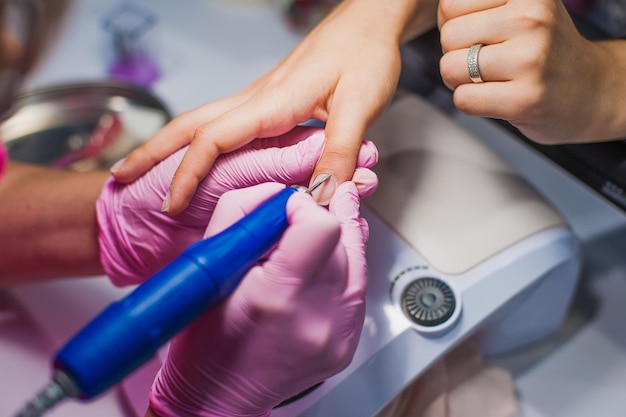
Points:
point(294, 321)
point(137, 239)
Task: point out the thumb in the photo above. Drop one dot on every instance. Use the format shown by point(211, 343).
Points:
point(307, 245)
point(354, 233)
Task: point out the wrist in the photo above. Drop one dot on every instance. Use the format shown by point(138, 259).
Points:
point(183, 388)
point(151, 413)
point(159, 408)
point(111, 235)
point(609, 110)
point(400, 20)
point(422, 17)
point(48, 223)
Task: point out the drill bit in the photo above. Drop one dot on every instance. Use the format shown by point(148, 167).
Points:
point(318, 183)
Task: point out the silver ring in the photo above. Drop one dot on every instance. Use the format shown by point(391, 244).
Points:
point(472, 63)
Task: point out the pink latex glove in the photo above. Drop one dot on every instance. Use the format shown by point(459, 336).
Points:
point(294, 321)
point(3, 159)
point(137, 239)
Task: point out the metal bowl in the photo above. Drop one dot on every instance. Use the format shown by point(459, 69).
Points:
point(81, 126)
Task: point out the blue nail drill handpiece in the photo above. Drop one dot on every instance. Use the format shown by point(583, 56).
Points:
point(130, 331)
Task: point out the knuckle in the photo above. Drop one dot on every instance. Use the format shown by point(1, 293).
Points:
point(537, 14)
point(230, 198)
point(447, 8)
point(463, 101)
point(202, 131)
point(446, 69)
point(534, 57)
point(336, 153)
point(446, 36)
point(339, 355)
point(186, 180)
point(274, 309)
point(144, 154)
point(316, 341)
point(531, 100)
point(203, 135)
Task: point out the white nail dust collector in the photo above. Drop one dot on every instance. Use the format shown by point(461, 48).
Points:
point(460, 246)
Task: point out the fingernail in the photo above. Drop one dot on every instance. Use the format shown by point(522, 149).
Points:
point(116, 166)
point(324, 192)
point(166, 203)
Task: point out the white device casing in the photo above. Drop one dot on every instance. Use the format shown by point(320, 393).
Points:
point(447, 208)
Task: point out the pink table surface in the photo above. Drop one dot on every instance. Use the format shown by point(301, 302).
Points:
point(35, 321)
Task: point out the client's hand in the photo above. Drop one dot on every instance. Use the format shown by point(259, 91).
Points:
point(537, 67)
point(294, 321)
point(137, 239)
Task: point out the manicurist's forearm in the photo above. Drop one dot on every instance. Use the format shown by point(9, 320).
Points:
point(48, 223)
